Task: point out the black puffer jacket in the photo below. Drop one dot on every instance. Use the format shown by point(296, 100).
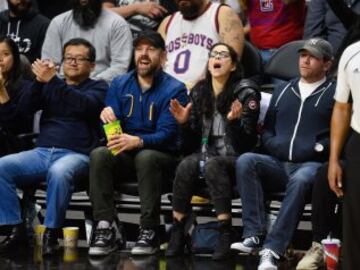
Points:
point(240, 134)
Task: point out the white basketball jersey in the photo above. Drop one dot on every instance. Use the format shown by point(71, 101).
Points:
point(188, 43)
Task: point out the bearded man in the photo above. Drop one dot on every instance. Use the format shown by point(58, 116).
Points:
point(190, 33)
point(147, 150)
point(25, 26)
point(106, 31)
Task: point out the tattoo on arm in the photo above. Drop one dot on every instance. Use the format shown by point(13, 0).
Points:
point(231, 29)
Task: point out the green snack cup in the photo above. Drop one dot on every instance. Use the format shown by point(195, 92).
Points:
point(112, 128)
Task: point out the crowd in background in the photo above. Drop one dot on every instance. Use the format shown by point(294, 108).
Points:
point(171, 72)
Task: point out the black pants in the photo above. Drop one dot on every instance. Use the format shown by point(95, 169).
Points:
point(324, 201)
point(351, 211)
point(151, 168)
point(219, 178)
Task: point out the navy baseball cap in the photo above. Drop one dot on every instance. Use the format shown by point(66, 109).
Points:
point(151, 36)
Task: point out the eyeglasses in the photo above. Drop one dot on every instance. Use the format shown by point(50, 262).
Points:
point(221, 54)
point(77, 60)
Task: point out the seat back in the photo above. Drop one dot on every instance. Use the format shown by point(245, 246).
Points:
point(251, 61)
point(283, 64)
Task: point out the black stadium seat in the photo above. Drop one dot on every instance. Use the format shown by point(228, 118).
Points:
point(283, 64)
point(252, 63)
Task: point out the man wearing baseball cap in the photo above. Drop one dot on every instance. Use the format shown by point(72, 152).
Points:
point(147, 150)
point(295, 142)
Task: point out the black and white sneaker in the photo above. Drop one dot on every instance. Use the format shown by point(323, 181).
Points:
point(249, 245)
point(147, 243)
point(103, 242)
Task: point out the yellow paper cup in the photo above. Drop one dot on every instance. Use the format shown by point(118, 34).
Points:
point(71, 236)
point(37, 254)
point(39, 232)
point(70, 254)
point(199, 200)
point(113, 128)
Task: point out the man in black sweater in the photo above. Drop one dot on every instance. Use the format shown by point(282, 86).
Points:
point(68, 132)
point(25, 26)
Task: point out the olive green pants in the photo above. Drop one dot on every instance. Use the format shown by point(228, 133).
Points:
point(153, 170)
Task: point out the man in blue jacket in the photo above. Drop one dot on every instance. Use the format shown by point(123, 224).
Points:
point(146, 150)
point(68, 132)
point(295, 142)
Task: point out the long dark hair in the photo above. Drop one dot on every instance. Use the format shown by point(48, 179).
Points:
point(14, 75)
point(226, 97)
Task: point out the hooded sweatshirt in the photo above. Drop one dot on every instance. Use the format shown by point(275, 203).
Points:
point(27, 31)
point(294, 127)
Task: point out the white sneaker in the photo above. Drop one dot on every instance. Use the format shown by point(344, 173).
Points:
point(268, 260)
point(313, 259)
point(249, 245)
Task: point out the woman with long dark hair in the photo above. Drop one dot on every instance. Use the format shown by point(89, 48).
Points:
point(222, 115)
point(12, 85)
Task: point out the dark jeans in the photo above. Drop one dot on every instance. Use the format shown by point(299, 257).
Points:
point(324, 201)
point(351, 206)
point(219, 172)
point(257, 174)
point(150, 167)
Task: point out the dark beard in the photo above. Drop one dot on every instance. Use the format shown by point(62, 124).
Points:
point(147, 72)
point(86, 16)
point(19, 12)
point(190, 12)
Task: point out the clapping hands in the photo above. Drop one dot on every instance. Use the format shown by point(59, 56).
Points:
point(44, 70)
point(180, 113)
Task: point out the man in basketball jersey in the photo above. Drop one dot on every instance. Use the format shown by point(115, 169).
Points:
point(190, 33)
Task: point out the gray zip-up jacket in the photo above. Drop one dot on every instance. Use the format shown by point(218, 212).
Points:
point(296, 130)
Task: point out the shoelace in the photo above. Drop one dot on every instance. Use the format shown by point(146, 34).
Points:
point(101, 234)
point(145, 235)
point(251, 240)
point(268, 255)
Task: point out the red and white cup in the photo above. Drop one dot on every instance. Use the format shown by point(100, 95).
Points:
point(331, 248)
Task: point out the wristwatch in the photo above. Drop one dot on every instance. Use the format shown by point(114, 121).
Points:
point(319, 147)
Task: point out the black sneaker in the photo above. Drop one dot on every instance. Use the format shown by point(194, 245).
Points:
point(222, 249)
point(50, 242)
point(147, 243)
point(103, 242)
point(249, 245)
point(17, 238)
point(178, 240)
